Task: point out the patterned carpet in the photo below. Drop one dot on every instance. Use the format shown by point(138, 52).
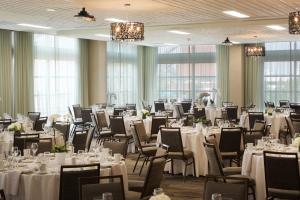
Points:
point(173, 186)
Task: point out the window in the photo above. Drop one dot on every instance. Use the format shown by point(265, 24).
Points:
point(282, 71)
point(56, 73)
point(186, 71)
point(122, 73)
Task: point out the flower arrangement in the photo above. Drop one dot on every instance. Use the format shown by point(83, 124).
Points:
point(145, 113)
point(16, 127)
point(59, 149)
point(53, 118)
point(296, 141)
point(269, 110)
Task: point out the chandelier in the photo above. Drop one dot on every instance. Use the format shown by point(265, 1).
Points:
point(256, 50)
point(127, 31)
point(294, 22)
point(83, 14)
point(227, 42)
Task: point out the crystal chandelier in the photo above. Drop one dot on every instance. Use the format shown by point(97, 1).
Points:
point(294, 22)
point(256, 50)
point(127, 31)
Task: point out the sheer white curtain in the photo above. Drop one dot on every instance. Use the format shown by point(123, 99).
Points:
point(56, 73)
point(185, 71)
point(123, 75)
point(282, 71)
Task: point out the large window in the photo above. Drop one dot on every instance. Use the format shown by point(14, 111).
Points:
point(282, 71)
point(186, 71)
point(56, 73)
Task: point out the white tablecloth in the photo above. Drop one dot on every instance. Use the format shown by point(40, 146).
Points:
point(253, 166)
point(212, 113)
point(35, 186)
point(192, 139)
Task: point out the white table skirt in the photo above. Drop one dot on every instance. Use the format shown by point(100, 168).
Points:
point(46, 187)
point(192, 139)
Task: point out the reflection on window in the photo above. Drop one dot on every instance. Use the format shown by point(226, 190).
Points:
point(56, 77)
point(186, 71)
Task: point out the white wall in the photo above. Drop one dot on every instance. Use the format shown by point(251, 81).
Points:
point(236, 74)
point(97, 72)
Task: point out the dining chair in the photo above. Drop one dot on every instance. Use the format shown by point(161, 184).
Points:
point(130, 106)
point(229, 187)
point(118, 111)
point(253, 116)
point(152, 180)
point(101, 135)
point(101, 119)
point(21, 140)
point(159, 106)
point(2, 195)
point(86, 116)
point(227, 103)
point(295, 107)
point(79, 141)
point(69, 179)
point(157, 122)
point(89, 138)
point(40, 123)
point(118, 129)
point(230, 144)
point(258, 131)
point(232, 113)
point(294, 115)
point(282, 175)
point(216, 168)
point(64, 128)
point(116, 147)
point(77, 111)
point(172, 138)
point(34, 116)
point(199, 113)
point(140, 138)
point(91, 188)
point(284, 103)
point(44, 144)
point(186, 106)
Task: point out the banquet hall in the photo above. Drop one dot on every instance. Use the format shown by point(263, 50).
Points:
point(149, 99)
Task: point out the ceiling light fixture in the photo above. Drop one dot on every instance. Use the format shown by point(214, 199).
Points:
point(227, 42)
point(276, 27)
point(114, 20)
point(50, 10)
point(235, 14)
point(179, 32)
point(294, 22)
point(255, 50)
point(83, 14)
point(102, 35)
point(127, 31)
point(34, 26)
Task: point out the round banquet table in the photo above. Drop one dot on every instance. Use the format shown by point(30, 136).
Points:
point(253, 166)
point(23, 184)
point(192, 139)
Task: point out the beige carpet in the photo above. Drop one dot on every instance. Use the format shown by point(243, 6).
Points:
point(173, 186)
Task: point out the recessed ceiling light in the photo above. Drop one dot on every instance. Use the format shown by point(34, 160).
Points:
point(276, 27)
point(179, 32)
point(235, 42)
point(102, 35)
point(35, 26)
point(235, 14)
point(50, 10)
point(170, 44)
point(114, 20)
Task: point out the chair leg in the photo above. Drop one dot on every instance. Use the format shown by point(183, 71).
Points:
point(253, 192)
point(172, 167)
point(194, 166)
point(184, 175)
point(136, 163)
point(143, 165)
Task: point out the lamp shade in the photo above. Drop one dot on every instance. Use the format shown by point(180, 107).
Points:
point(127, 31)
point(294, 22)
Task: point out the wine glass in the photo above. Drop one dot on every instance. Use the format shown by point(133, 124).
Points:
point(107, 196)
point(34, 148)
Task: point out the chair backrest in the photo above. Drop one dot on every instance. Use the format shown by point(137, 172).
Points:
point(180, 110)
point(2, 195)
point(64, 128)
point(157, 122)
point(130, 106)
point(159, 105)
point(172, 138)
point(140, 130)
point(294, 115)
point(227, 103)
point(296, 125)
point(269, 104)
point(89, 138)
point(281, 171)
point(86, 115)
point(230, 140)
point(110, 184)
point(101, 118)
point(232, 112)
point(259, 125)
point(295, 107)
point(253, 116)
point(214, 159)
point(77, 111)
point(199, 113)
point(229, 187)
point(38, 126)
point(95, 122)
point(118, 111)
point(284, 103)
point(44, 144)
point(154, 175)
point(79, 141)
point(117, 125)
point(186, 106)
point(5, 123)
point(116, 147)
point(69, 179)
point(21, 140)
point(34, 116)
point(290, 125)
point(163, 100)
point(70, 113)
point(252, 136)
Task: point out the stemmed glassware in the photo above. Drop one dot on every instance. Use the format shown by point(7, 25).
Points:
point(34, 148)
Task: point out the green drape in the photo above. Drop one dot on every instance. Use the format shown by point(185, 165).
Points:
point(150, 75)
point(23, 72)
point(254, 81)
point(6, 83)
point(141, 72)
point(83, 83)
point(222, 61)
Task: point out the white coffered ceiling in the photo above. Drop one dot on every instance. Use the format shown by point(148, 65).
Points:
point(202, 18)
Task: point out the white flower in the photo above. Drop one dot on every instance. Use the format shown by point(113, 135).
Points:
point(53, 118)
point(296, 142)
point(15, 127)
point(145, 111)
